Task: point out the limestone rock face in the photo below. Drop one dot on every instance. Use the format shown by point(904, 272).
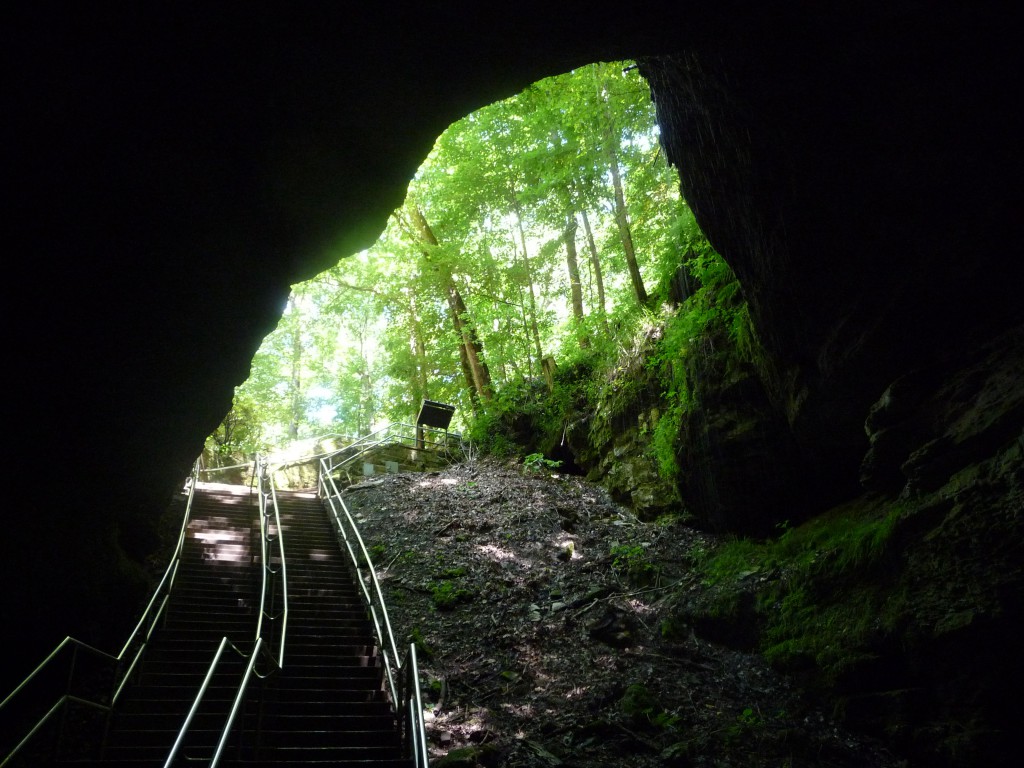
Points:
point(932, 423)
point(630, 473)
point(739, 465)
point(856, 269)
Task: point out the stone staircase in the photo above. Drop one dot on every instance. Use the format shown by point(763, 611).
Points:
point(391, 458)
point(216, 595)
point(325, 707)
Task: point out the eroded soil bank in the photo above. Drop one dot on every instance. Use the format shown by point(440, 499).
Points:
point(543, 614)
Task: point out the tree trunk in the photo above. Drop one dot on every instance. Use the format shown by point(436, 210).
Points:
point(470, 348)
point(595, 263)
point(366, 406)
point(471, 342)
point(295, 416)
point(621, 216)
point(419, 347)
point(534, 326)
point(575, 288)
point(622, 222)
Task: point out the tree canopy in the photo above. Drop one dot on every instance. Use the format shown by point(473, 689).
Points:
point(536, 231)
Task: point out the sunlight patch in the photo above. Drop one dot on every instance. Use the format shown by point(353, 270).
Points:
point(497, 553)
point(523, 710)
point(220, 544)
point(639, 606)
point(567, 548)
point(235, 490)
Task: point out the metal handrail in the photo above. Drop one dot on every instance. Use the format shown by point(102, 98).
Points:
point(268, 493)
point(236, 705)
point(410, 698)
point(416, 738)
point(267, 500)
point(374, 600)
point(167, 581)
point(395, 433)
point(180, 739)
point(250, 670)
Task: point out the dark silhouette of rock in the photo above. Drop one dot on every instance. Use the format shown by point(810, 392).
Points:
point(169, 176)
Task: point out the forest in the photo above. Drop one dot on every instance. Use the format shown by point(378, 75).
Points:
point(538, 245)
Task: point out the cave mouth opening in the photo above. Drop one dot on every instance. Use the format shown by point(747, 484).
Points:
point(564, 454)
point(535, 244)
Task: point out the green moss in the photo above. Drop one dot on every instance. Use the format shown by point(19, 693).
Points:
point(735, 558)
point(832, 637)
point(642, 707)
point(423, 648)
point(446, 596)
point(674, 629)
point(825, 597)
point(712, 329)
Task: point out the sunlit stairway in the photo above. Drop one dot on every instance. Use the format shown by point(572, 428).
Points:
point(215, 595)
point(327, 705)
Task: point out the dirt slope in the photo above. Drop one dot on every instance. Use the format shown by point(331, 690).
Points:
point(544, 615)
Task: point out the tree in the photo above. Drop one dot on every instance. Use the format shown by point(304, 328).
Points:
point(478, 377)
point(611, 148)
point(484, 255)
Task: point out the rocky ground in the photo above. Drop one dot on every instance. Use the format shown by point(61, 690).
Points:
point(543, 612)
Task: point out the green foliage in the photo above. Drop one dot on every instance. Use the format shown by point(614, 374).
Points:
point(376, 553)
point(746, 722)
point(632, 562)
point(238, 437)
point(666, 434)
point(491, 434)
point(536, 462)
point(367, 340)
point(713, 320)
point(525, 418)
point(644, 709)
point(749, 719)
point(639, 703)
point(627, 555)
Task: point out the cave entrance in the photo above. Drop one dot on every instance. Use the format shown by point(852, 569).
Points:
point(537, 244)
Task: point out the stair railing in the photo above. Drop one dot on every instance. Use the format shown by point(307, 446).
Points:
point(414, 733)
point(402, 676)
point(250, 670)
point(268, 508)
point(397, 433)
point(137, 642)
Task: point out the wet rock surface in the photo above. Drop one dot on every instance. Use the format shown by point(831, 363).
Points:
point(545, 618)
